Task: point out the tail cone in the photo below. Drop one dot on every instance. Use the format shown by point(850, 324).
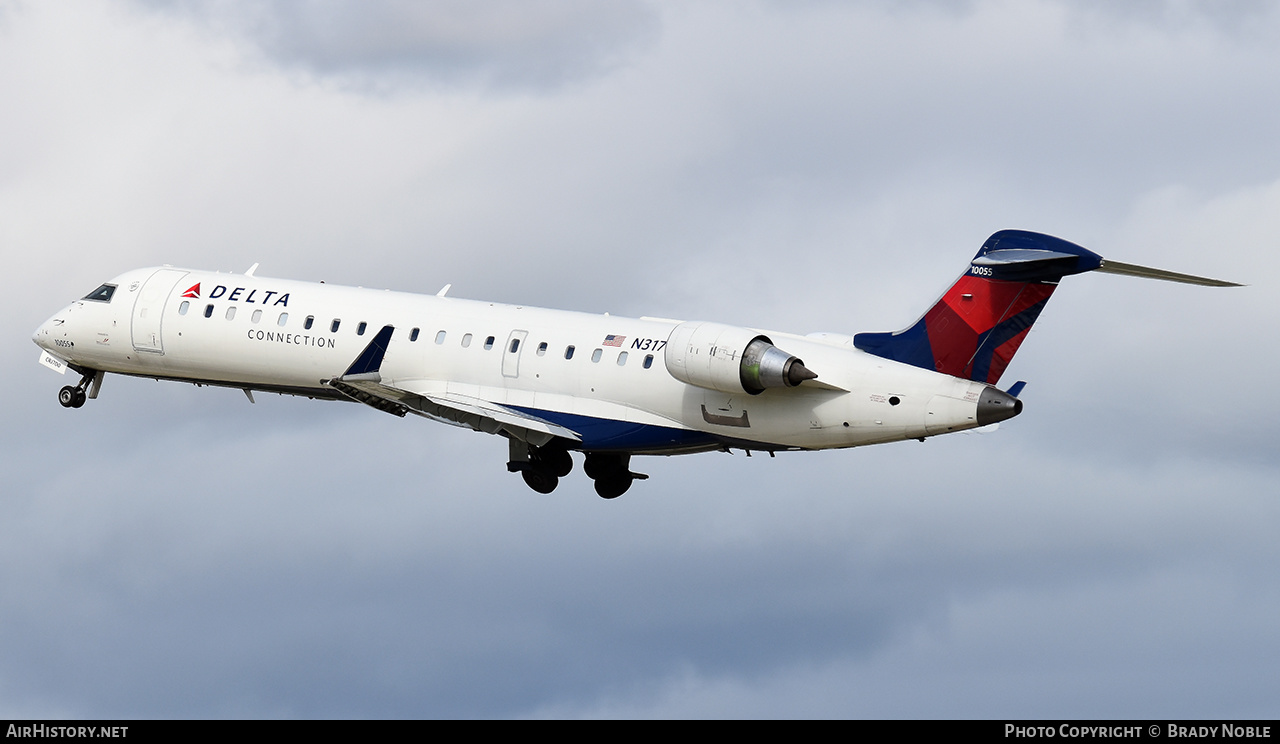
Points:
point(995, 406)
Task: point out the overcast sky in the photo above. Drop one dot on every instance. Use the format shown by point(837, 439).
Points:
point(169, 551)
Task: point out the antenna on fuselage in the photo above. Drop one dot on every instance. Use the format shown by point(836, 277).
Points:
point(252, 269)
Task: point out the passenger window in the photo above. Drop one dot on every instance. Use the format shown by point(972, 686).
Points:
point(360, 328)
point(488, 343)
point(440, 338)
point(182, 309)
point(515, 345)
point(568, 352)
point(333, 327)
point(622, 358)
point(231, 312)
point(311, 319)
point(542, 349)
point(284, 318)
point(595, 355)
point(208, 311)
point(648, 361)
point(466, 340)
point(257, 315)
point(413, 335)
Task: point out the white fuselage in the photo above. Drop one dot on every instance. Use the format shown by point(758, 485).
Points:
point(614, 389)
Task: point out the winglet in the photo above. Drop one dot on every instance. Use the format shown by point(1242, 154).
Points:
point(370, 360)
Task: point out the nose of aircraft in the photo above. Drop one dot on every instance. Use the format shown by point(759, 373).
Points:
point(44, 333)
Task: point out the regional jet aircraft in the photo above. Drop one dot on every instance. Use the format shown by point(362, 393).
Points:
point(553, 381)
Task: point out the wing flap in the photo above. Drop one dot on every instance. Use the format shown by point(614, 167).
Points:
point(473, 413)
point(500, 413)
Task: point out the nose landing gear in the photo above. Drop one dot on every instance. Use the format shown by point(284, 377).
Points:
point(72, 397)
point(75, 396)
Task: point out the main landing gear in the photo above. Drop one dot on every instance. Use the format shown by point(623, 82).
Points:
point(611, 472)
point(75, 396)
point(543, 467)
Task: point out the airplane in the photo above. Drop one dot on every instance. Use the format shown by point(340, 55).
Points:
point(554, 381)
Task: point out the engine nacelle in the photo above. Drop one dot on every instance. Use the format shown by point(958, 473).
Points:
point(730, 359)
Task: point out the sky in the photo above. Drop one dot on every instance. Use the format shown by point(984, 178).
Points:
point(175, 552)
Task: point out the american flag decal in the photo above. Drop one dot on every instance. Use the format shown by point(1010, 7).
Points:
point(612, 340)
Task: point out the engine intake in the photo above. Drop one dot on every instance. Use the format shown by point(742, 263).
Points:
point(730, 359)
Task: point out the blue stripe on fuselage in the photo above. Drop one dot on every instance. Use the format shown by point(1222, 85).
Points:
point(601, 434)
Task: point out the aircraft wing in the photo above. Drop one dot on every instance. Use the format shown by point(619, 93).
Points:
point(449, 408)
point(362, 383)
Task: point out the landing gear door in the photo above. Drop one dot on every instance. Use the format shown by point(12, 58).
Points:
point(148, 310)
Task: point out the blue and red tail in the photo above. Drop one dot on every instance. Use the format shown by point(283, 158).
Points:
point(978, 325)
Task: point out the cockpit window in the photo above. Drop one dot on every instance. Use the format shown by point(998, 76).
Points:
point(102, 294)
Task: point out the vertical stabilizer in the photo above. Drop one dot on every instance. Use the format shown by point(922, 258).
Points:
point(978, 325)
point(974, 330)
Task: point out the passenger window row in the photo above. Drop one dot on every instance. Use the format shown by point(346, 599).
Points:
point(281, 320)
point(489, 341)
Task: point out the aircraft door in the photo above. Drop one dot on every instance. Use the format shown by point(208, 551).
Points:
point(511, 353)
point(148, 310)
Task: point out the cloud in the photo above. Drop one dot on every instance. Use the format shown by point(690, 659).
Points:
point(174, 551)
point(516, 45)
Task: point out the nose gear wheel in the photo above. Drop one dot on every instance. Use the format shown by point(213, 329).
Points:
point(74, 396)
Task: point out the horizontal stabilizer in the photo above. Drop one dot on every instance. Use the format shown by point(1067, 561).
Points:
point(1115, 267)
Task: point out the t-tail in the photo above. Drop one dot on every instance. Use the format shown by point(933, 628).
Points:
point(978, 325)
